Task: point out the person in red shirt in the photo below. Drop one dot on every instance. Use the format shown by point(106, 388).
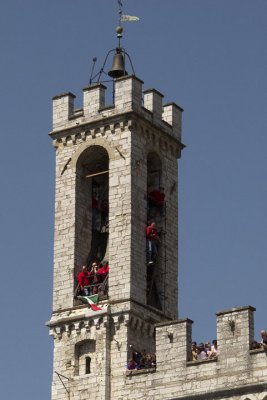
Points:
point(102, 278)
point(152, 239)
point(131, 364)
point(103, 271)
point(84, 280)
point(156, 198)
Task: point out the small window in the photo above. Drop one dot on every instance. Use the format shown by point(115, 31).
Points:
point(88, 365)
point(85, 357)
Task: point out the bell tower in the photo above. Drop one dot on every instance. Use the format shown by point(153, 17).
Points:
point(109, 159)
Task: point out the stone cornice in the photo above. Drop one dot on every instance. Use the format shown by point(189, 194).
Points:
point(109, 123)
point(63, 313)
point(74, 323)
point(104, 127)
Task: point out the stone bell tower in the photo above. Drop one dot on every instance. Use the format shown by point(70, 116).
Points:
point(113, 155)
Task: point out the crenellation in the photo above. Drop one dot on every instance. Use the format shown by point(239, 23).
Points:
point(93, 99)
point(153, 103)
point(128, 98)
point(172, 114)
point(63, 107)
point(128, 93)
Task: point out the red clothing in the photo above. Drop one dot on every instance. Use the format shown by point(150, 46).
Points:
point(94, 203)
point(157, 197)
point(103, 270)
point(131, 365)
point(151, 233)
point(84, 278)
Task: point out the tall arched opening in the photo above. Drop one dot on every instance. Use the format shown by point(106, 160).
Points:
point(92, 209)
point(155, 248)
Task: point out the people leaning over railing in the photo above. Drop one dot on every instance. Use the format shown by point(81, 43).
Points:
point(93, 280)
point(262, 344)
point(207, 351)
point(264, 339)
point(255, 345)
point(85, 279)
point(101, 278)
point(204, 351)
point(141, 360)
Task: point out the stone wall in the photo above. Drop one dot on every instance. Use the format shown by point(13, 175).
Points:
point(128, 131)
point(75, 340)
point(238, 373)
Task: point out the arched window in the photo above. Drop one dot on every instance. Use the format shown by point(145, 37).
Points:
point(92, 210)
point(84, 357)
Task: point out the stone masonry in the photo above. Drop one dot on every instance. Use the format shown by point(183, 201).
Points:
point(91, 348)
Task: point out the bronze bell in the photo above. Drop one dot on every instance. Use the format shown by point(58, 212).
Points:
point(118, 66)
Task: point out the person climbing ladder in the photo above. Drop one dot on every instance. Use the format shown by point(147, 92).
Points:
point(152, 239)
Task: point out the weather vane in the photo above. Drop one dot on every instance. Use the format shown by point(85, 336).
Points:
point(118, 67)
point(124, 17)
point(120, 10)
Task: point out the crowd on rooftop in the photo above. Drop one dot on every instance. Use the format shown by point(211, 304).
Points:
point(203, 351)
point(262, 344)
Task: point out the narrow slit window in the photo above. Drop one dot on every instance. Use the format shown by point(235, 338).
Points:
point(88, 365)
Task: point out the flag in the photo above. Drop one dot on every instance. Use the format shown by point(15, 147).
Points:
point(128, 18)
point(91, 301)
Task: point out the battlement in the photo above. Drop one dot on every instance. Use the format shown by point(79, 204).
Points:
point(235, 333)
point(236, 370)
point(128, 97)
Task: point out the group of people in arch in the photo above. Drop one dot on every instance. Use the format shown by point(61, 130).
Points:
point(141, 359)
point(94, 279)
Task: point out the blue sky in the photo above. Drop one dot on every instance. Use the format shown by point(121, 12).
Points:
point(210, 57)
